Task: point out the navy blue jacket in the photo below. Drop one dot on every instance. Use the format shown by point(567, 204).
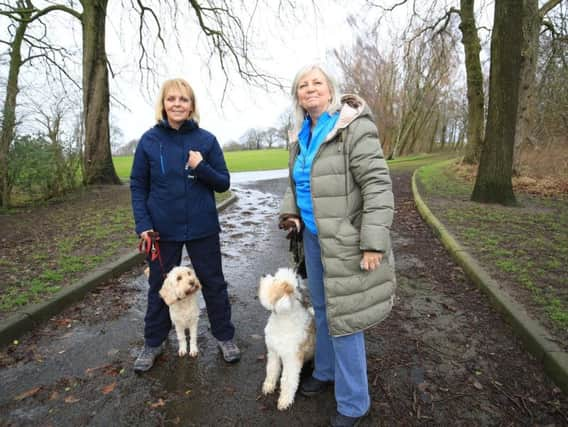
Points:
point(178, 203)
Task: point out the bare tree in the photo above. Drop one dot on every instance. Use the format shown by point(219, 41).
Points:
point(551, 127)
point(284, 126)
point(251, 139)
point(436, 21)
point(270, 137)
point(376, 76)
point(21, 14)
point(494, 176)
point(533, 19)
point(407, 93)
point(66, 155)
point(218, 20)
point(474, 75)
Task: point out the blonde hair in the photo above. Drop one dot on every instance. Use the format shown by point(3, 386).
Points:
point(182, 86)
point(299, 112)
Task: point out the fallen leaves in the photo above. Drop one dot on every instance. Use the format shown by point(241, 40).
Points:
point(539, 185)
point(158, 404)
point(108, 388)
point(28, 393)
point(63, 322)
point(108, 370)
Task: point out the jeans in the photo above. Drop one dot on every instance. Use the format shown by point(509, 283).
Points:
point(205, 255)
point(341, 359)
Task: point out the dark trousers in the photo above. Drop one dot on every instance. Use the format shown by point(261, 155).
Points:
point(205, 255)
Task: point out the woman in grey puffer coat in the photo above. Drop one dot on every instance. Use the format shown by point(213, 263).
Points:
point(340, 189)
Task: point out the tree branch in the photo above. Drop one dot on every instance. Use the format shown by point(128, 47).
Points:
point(389, 9)
point(228, 42)
point(547, 7)
point(59, 7)
point(51, 61)
point(17, 13)
point(142, 25)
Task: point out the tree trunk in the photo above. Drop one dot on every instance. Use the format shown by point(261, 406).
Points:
point(9, 110)
point(432, 145)
point(525, 115)
point(443, 137)
point(493, 183)
point(97, 159)
point(459, 142)
point(532, 20)
point(452, 135)
point(475, 96)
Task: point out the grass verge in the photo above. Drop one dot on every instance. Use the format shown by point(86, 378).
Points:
point(71, 238)
point(523, 247)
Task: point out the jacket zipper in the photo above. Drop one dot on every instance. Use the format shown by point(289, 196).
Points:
point(162, 162)
point(317, 236)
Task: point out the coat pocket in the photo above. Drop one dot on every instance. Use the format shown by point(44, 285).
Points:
point(347, 241)
point(347, 235)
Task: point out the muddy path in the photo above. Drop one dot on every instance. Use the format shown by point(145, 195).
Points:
point(444, 357)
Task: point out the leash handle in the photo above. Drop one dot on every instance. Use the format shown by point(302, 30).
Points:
point(149, 245)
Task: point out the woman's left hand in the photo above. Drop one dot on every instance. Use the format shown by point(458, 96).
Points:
point(371, 260)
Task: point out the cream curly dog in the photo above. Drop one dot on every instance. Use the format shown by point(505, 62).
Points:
point(289, 334)
point(180, 293)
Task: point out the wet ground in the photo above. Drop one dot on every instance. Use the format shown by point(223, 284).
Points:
point(443, 357)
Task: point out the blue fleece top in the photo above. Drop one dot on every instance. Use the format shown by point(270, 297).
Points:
point(168, 198)
point(309, 141)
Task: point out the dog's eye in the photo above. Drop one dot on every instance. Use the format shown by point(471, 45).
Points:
point(178, 278)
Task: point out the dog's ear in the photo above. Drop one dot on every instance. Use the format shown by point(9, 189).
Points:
point(263, 291)
point(195, 280)
point(167, 292)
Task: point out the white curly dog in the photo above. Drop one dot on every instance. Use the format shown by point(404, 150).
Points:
point(289, 334)
point(180, 293)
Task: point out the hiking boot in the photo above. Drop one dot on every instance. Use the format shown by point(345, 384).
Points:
point(231, 352)
point(147, 357)
point(340, 420)
point(312, 386)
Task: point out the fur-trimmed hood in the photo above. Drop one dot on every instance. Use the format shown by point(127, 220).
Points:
point(352, 106)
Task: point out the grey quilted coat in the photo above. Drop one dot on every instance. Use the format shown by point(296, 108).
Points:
point(353, 208)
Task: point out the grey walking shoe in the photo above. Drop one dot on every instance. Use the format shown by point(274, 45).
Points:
point(231, 352)
point(147, 357)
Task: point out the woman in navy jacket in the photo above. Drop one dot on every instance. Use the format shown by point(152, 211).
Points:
point(177, 169)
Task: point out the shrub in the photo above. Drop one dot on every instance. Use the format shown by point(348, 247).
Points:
point(41, 170)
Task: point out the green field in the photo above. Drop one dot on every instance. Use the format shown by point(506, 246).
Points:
point(258, 160)
point(237, 161)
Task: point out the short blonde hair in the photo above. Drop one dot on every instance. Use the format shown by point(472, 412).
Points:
point(299, 112)
point(182, 86)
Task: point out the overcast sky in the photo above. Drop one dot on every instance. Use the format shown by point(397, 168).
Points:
point(282, 48)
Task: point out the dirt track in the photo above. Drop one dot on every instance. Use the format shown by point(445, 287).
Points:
point(444, 357)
